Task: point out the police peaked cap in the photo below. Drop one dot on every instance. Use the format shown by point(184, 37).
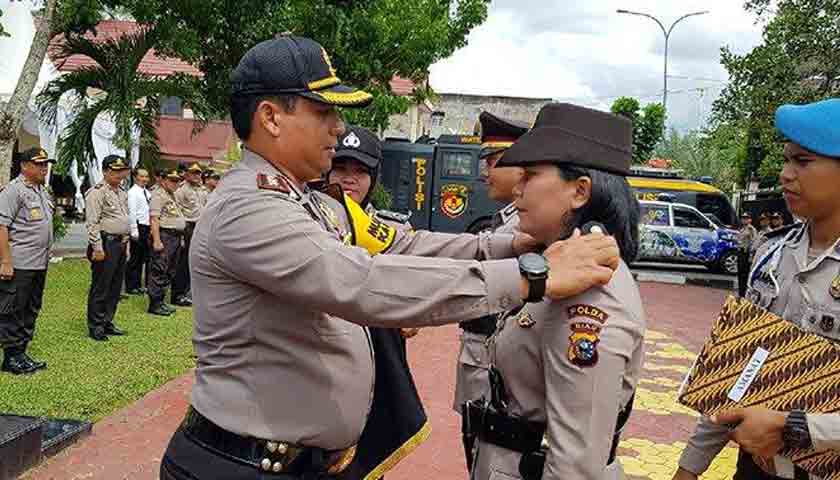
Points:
point(569, 134)
point(498, 134)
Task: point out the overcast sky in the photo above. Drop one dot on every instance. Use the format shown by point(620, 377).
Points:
point(584, 52)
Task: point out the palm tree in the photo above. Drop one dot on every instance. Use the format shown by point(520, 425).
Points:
point(115, 86)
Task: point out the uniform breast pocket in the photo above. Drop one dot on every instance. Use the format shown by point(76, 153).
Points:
point(34, 212)
point(327, 326)
point(823, 319)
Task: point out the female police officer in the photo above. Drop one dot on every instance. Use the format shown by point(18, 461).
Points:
point(796, 275)
point(563, 373)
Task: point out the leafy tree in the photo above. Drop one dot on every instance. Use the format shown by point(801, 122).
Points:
point(370, 41)
point(648, 125)
point(796, 62)
point(3, 32)
point(714, 154)
point(113, 86)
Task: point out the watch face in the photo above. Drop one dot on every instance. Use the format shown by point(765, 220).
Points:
point(533, 263)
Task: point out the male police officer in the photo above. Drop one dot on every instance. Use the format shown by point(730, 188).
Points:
point(211, 179)
point(190, 197)
point(26, 234)
point(167, 231)
point(107, 220)
point(284, 374)
point(796, 275)
point(471, 381)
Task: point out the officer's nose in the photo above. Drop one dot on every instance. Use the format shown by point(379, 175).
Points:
point(788, 173)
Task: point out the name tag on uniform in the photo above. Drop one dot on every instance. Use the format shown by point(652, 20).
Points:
point(35, 213)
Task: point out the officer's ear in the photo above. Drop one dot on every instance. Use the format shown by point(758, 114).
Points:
point(583, 192)
point(271, 117)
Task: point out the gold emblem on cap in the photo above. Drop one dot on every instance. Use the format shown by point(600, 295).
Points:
point(328, 62)
point(834, 290)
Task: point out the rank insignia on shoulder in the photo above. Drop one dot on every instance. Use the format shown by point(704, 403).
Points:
point(583, 344)
point(834, 290)
point(524, 319)
point(393, 216)
point(588, 311)
point(275, 183)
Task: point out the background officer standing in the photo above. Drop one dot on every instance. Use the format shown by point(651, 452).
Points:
point(167, 231)
point(284, 376)
point(26, 235)
point(139, 198)
point(210, 178)
point(747, 236)
point(190, 197)
point(107, 220)
point(471, 381)
point(796, 275)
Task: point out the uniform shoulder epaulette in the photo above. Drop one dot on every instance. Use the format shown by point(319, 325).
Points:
point(509, 211)
point(393, 216)
point(276, 183)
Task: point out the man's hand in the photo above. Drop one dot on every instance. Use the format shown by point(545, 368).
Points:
point(98, 256)
point(524, 243)
point(409, 332)
point(158, 246)
point(759, 429)
point(579, 263)
point(7, 271)
point(135, 236)
point(681, 474)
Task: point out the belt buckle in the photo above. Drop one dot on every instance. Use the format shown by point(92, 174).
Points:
point(279, 455)
point(340, 460)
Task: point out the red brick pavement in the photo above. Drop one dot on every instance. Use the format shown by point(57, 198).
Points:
point(129, 444)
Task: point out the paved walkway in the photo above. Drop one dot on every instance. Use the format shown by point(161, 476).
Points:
point(129, 444)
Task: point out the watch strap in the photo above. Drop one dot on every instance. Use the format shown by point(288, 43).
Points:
point(796, 434)
point(536, 288)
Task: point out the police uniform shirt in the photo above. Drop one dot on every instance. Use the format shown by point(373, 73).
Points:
point(106, 210)
point(548, 380)
point(191, 200)
point(27, 212)
point(167, 210)
point(279, 301)
point(804, 292)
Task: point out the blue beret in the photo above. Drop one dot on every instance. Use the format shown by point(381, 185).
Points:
point(815, 126)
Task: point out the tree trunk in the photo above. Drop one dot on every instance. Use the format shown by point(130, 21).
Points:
point(11, 116)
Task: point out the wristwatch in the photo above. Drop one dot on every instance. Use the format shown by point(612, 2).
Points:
point(795, 433)
point(534, 268)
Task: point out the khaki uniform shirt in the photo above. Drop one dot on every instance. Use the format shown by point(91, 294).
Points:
point(191, 200)
point(546, 382)
point(786, 283)
point(747, 237)
point(26, 210)
point(167, 210)
point(471, 380)
point(106, 210)
point(281, 304)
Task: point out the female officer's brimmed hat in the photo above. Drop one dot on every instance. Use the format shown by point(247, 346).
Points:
point(814, 127)
point(573, 135)
point(498, 134)
point(293, 65)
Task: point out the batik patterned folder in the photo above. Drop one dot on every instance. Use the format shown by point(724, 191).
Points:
point(753, 357)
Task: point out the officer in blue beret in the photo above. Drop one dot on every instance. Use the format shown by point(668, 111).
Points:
point(796, 275)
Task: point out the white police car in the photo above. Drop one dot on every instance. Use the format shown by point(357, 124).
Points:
point(678, 233)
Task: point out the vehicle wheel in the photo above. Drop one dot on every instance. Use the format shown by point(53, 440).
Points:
point(480, 226)
point(728, 263)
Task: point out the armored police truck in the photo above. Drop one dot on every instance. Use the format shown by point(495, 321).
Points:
point(439, 184)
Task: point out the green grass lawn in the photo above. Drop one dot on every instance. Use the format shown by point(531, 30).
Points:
point(87, 379)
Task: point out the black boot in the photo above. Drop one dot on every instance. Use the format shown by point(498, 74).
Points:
point(16, 363)
point(159, 309)
point(37, 364)
point(112, 329)
point(169, 308)
point(98, 334)
point(182, 301)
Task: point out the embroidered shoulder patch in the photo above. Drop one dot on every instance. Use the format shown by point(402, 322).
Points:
point(588, 311)
point(583, 344)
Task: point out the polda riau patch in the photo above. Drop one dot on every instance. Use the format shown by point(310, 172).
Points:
point(524, 318)
point(583, 344)
point(588, 311)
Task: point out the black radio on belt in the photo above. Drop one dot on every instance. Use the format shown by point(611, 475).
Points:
point(485, 325)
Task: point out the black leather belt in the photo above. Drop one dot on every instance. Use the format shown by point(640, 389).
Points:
point(172, 231)
point(480, 326)
point(266, 455)
point(518, 434)
point(113, 236)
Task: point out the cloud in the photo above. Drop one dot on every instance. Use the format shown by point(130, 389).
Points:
point(584, 52)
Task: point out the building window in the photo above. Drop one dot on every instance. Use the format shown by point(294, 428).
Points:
point(172, 106)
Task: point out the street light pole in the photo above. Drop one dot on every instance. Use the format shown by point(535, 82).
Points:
point(667, 33)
